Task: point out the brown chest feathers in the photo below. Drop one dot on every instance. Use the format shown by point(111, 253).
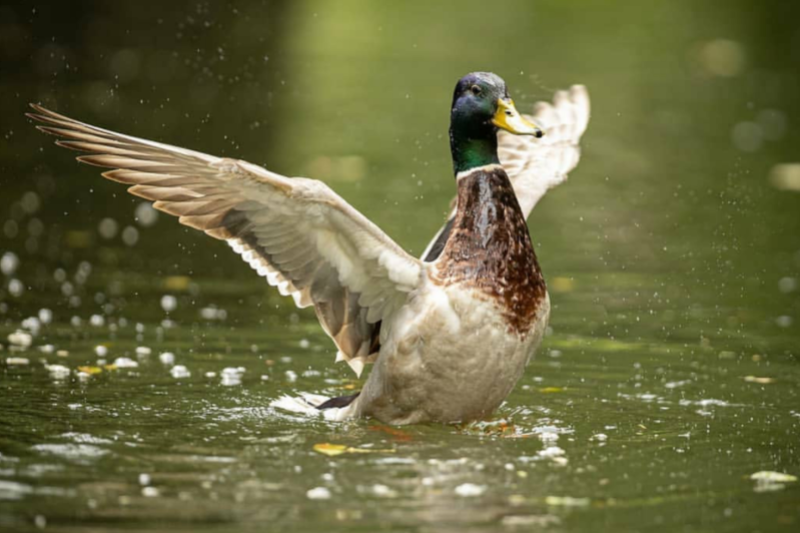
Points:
point(489, 248)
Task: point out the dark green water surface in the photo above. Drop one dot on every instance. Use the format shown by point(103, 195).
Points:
point(670, 376)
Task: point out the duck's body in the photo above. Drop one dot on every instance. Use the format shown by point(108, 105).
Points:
point(459, 345)
point(451, 334)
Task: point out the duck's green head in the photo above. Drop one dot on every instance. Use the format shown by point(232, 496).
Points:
point(481, 106)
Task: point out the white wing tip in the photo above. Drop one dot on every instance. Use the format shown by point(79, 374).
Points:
point(357, 364)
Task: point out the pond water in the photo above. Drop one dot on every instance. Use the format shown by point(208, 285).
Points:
point(666, 396)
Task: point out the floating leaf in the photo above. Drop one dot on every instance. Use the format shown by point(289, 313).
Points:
point(91, 370)
point(551, 390)
point(332, 450)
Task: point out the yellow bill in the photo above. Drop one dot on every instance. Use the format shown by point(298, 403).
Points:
point(509, 119)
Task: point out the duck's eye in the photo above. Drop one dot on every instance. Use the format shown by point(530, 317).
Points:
point(475, 90)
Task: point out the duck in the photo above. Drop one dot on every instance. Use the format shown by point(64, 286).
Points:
point(448, 334)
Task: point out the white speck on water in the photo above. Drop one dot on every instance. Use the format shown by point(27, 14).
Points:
point(143, 351)
point(264, 377)
point(167, 358)
point(784, 321)
point(20, 338)
point(11, 490)
point(567, 501)
point(551, 451)
point(180, 371)
point(548, 436)
point(599, 437)
point(62, 353)
point(787, 285)
point(15, 288)
point(144, 479)
point(319, 493)
point(146, 215)
point(97, 320)
point(150, 492)
point(125, 362)
point(40, 521)
point(213, 313)
point(304, 343)
point(468, 490)
point(169, 303)
point(676, 384)
point(32, 324)
point(383, 491)
point(57, 372)
point(47, 348)
point(71, 451)
point(9, 263)
point(705, 402)
point(45, 316)
point(232, 376)
point(107, 228)
point(211, 375)
point(17, 361)
point(291, 376)
point(100, 350)
point(130, 236)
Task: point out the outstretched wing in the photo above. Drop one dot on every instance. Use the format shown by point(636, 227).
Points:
point(296, 232)
point(533, 165)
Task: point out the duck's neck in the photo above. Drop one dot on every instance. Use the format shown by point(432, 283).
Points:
point(473, 149)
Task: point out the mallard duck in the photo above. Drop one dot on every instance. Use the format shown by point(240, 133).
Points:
point(449, 334)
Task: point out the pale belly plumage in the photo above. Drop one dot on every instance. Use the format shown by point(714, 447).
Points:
point(447, 356)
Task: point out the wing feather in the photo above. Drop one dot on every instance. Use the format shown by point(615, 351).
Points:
point(296, 232)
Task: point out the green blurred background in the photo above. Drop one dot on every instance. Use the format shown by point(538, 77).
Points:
point(672, 256)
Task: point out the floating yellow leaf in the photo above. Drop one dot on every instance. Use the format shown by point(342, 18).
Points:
point(550, 390)
point(330, 449)
point(333, 450)
point(760, 380)
point(91, 370)
point(110, 367)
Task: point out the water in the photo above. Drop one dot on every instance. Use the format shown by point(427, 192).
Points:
point(671, 373)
